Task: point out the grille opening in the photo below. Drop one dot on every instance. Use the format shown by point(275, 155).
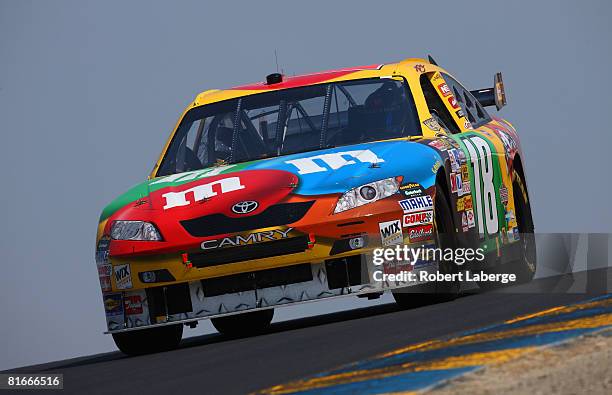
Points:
point(344, 272)
point(257, 280)
point(177, 300)
point(216, 224)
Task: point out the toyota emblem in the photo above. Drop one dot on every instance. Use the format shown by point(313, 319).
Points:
point(245, 207)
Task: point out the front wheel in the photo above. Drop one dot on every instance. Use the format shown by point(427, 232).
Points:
point(244, 324)
point(146, 341)
point(439, 291)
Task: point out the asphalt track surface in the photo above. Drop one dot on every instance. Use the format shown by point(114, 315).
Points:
point(290, 350)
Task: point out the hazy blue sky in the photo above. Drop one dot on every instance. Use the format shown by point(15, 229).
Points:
point(89, 91)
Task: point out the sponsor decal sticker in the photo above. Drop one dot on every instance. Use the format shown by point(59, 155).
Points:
point(453, 102)
point(113, 304)
point(465, 174)
point(464, 222)
point(391, 232)
point(104, 274)
point(503, 195)
point(420, 233)
point(467, 125)
point(470, 218)
point(436, 166)
point(201, 192)
point(467, 189)
point(459, 113)
point(464, 203)
point(459, 184)
point(453, 181)
point(417, 203)
point(251, 238)
point(102, 251)
point(441, 145)
point(420, 218)
point(123, 276)
point(510, 218)
point(333, 161)
point(411, 189)
point(432, 124)
point(454, 159)
point(419, 68)
point(444, 89)
point(132, 304)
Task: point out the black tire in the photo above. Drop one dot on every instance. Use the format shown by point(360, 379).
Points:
point(439, 291)
point(525, 267)
point(147, 341)
point(244, 324)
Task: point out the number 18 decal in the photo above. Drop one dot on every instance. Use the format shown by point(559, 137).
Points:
point(486, 205)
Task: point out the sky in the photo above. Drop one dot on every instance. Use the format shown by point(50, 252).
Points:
point(90, 91)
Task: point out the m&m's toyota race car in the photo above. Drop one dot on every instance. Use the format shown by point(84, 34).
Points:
point(281, 192)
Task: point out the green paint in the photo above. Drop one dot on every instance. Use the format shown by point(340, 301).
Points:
point(488, 242)
point(143, 189)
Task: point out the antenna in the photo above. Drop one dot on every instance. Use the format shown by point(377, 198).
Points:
point(276, 59)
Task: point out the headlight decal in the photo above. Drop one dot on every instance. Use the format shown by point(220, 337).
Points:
point(367, 193)
point(134, 230)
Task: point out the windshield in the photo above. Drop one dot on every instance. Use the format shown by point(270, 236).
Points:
point(288, 121)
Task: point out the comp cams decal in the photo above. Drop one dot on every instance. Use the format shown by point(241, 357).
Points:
point(420, 218)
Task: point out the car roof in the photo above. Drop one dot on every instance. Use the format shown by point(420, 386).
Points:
point(345, 74)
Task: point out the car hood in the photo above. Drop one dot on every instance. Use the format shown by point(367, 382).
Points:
point(321, 172)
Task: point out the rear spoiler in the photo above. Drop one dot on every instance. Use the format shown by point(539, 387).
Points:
point(492, 96)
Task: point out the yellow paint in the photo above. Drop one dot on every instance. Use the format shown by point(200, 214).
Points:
point(461, 361)
point(400, 70)
point(563, 310)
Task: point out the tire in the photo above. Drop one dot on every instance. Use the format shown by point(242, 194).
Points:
point(147, 341)
point(439, 291)
point(244, 324)
point(525, 267)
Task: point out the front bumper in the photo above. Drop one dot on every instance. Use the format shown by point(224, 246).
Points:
point(196, 300)
point(325, 264)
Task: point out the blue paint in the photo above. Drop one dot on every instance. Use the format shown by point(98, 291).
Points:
point(413, 161)
point(485, 346)
point(412, 381)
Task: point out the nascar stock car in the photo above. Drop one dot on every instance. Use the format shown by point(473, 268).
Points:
point(278, 192)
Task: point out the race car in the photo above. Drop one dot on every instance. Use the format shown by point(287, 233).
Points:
point(283, 191)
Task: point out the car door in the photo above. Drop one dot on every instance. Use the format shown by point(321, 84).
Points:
point(480, 181)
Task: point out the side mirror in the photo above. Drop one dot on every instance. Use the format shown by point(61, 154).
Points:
point(495, 96)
